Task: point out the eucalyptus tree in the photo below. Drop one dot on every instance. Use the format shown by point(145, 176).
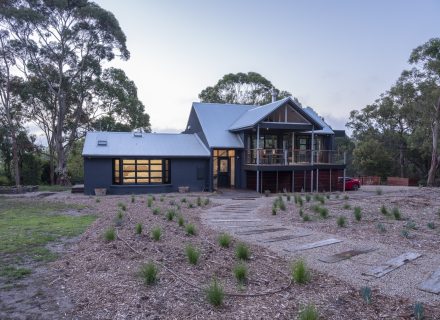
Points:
point(241, 88)
point(63, 44)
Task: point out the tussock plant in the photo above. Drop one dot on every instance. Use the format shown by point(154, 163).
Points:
point(316, 208)
point(340, 221)
point(110, 234)
point(323, 212)
point(224, 240)
point(156, 211)
point(148, 273)
point(120, 215)
point(156, 234)
point(242, 251)
point(347, 206)
point(309, 312)
point(405, 233)
point(181, 221)
point(161, 199)
point(282, 205)
point(411, 225)
point(274, 211)
point(240, 272)
point(306, 218)
point(154, 198)
point(183, 200)
point(379, 191)
point(122, 206)
point(308, 197)
point(381, 228)
point(419, 311)
point(295, 198)
point(97, 200)
point(301, 212)
point(288, 197)
point(384, 210)
point(366, 294)
point(172, 202)
point(170, 214)
point(190, 229)
point(327, 196)
point(337, 196)
point(118, 219)
point(133, 199)
point(215, 293)
point(138, 228)
point(300, 272)
point(396, 213)
point(346, 197)
point(357, 213)
point(300, 201)
point(199, 201)
point(190, 205)
point(431, 225)
point(149, 202)
point(206, 201)
point(192, 254)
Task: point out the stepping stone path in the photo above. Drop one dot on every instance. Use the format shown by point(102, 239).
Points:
point(352, 259)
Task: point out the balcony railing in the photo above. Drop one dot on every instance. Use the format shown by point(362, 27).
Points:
point(293, 157)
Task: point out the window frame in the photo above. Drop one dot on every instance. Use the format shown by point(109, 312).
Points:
point(165, 171)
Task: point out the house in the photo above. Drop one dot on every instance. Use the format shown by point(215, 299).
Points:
point(280, 146)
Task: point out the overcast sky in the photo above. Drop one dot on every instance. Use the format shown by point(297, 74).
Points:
point(335, 56)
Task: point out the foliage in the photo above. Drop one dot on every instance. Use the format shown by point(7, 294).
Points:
point(306, 218)
point(180, 221)
point(192, 254)
point(300, 272)
point(240, 272)
point(431, 225)
point(323, 212)
point(190, 229)
point(242, 88)
point(381, 228)
point(156, 211)
point(419, 311)
point(149, 202)
point(171, 213)
point(346, 206)
point(149, 273)
point(138, 228)
point(396, 213)
point(242, 251)
point(309, 312)
point(357, 213)
point(110, 234)
point(215, 293)
point(224, 240)
point(340, 221)
point(156, 233)
point(206, 201)
point(384, 210)
point(366, 294)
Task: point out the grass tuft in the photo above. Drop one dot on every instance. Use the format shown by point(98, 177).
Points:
point(419, 311)
point(171, 213)
point(323, 212)
point(181, 221)
point(190, 229)
point(148, 273)
point(340, 221)
point(274, 211)
point(366, 294)
point(110, 234)
point(215, 293)
point(97, 200)
point(224, 240)
point(431, 225)
point(192, 254)
point(183, 200)
point(206, 201)
point(308, 197)
point(384, 210)
point(199, 201)
point(138, 228)
point(347, 206)
point(379, 191)
point(240, 272)
point(122, 206)
point(300, 272)
point(149, 202)
point(133, 199)
point(156, 233)
point(346, 197)
point(309, 312)
point(357, 213)
point(381, 228)
point(396, 213)
point(242, 251)
point(156, 211)
point(301, 212)
point(306, 218)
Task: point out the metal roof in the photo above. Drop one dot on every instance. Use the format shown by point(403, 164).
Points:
point(216, 118)
point(146, 145)
point(326, 129)
point(259, 113)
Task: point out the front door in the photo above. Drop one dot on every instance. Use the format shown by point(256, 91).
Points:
point(223, 172)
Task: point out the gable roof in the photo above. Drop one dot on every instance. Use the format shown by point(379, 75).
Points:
point(216, 118)
point(326, 129)
point(144, 145)
point(259, 113)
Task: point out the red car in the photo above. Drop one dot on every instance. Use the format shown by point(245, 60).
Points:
point(350, 183)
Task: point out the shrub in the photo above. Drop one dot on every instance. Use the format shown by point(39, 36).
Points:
point(379, 191)
point(122, 206)
point(190, 229)
point(300, 272)
point(341, 221)
point(419, 311)
point(138, 228)
point(347, 206)
point(308, 197)
point(366, 294)
point(431, 225)
point(148, 273)
point(381, 228)
point(383, 210)
point(309, 312)
point(323, 212)
point(156, 211)
point(149, 202)
point(224, 240)
point(110, 234)
point(306, 218)
point(199, 201)
point(170, 214)
point(242, 251)
point(396, 213)
point(215, 293)
point(358, 213)
point(240, 272)
point(156, 234)
point(181, 221)
point(132, 199)
point(192, 254)
point(206, 201)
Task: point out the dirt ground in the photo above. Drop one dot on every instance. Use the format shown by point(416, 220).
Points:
point(99, 279)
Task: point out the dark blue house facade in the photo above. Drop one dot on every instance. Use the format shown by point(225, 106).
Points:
point(279, 147)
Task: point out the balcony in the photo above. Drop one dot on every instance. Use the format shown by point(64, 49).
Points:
point(289, 157)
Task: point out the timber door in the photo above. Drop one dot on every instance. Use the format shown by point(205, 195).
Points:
point(223, 172)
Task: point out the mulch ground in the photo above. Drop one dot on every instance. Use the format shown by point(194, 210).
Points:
point(102, 278)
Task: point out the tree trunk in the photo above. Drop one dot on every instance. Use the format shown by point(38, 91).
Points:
point(15, 157)
point(61, 170)
point(434, 155)
point(402, 161)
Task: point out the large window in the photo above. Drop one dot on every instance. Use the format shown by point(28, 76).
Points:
point(141, 171)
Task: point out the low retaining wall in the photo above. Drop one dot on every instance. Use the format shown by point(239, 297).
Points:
point(15, 190)
point(397, 181)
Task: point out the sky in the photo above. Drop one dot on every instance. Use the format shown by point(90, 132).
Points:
point(335, 56)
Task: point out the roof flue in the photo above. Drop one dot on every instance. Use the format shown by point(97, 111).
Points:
point(274, 94)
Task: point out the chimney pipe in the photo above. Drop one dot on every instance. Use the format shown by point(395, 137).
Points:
point(274, 94)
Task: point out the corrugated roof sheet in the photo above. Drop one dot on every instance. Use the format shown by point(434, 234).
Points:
point(326, 129)
point(216, 118)
point(149, 144)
